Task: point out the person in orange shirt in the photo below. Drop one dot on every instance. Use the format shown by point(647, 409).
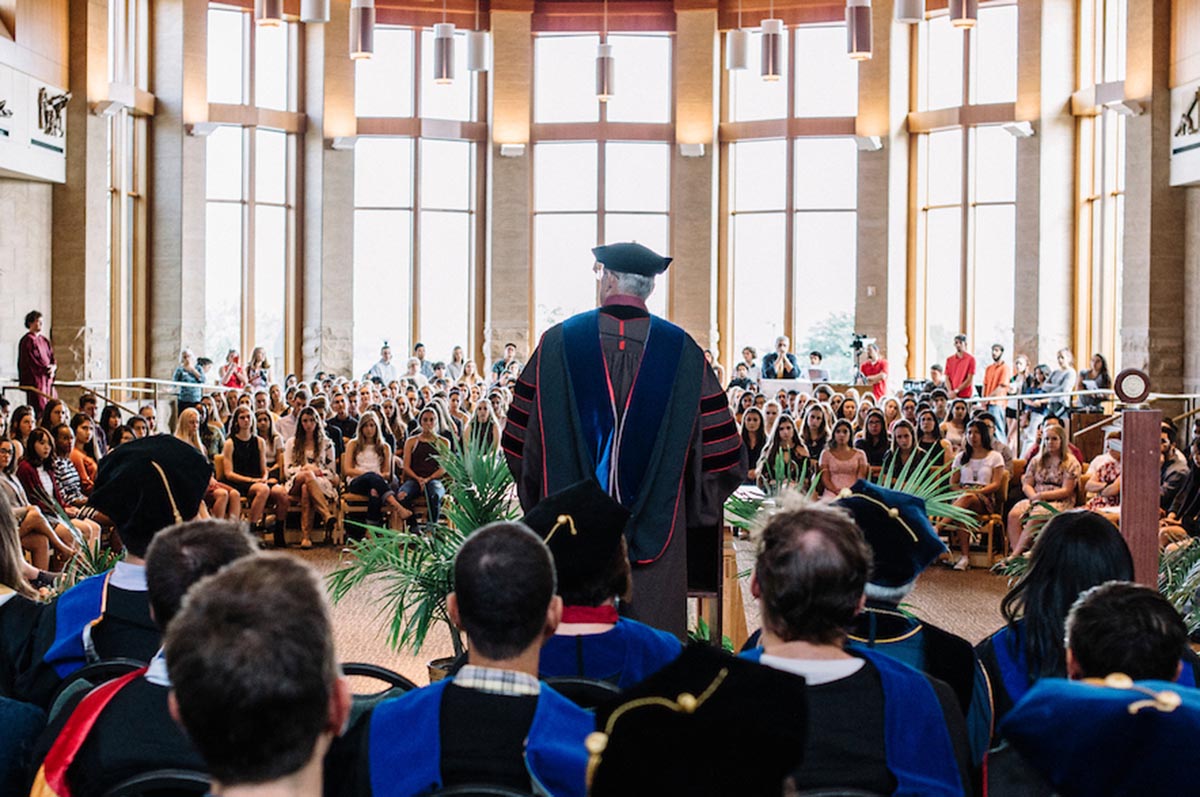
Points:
point(995, 383)
point(81, 426)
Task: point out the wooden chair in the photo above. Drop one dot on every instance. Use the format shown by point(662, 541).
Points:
point(988, 524)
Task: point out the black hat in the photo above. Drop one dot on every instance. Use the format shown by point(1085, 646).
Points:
point(631, 258)
point(898, 530)
point(582, 525)
point(664, 736)
point(148, 484)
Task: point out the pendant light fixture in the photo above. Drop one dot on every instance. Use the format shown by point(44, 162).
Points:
point(478, 47)
point(858, 29)
point(268, 13)
point(910, 12)
point(964, 13)
point(737, 45)
point(606, 66)
point(443, 51)
point(772, 47)
point(314, 11)
point(362, 28)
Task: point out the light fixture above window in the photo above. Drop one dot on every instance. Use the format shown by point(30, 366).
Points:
point(858, 29)
point(737, 46)
point(772, 50)
point(316, 11)
point(910, 12)
point(268, 13)
point(606, 66)
point(964, 13)
point(478, 47)
point(362, 28)
point(443, 53)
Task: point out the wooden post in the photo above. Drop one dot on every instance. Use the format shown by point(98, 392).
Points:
point(1140, 430)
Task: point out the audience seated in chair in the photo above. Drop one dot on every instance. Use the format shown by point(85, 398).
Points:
point(1050, 480)
point(124, 728)
point(143, 486)
point(254, 677)
point(875, 723)
point(585, 530)
point(494, 722)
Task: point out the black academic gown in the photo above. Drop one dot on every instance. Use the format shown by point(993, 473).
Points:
point(681, 546)
point(18, 620)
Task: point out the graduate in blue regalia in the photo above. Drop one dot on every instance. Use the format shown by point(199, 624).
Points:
point(144, 486)
point(583, 528)
point(904, 542)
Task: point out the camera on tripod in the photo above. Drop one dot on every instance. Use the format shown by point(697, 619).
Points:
point(859, 341)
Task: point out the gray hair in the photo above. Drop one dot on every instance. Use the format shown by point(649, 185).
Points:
point(633, 284)
point(888, 594)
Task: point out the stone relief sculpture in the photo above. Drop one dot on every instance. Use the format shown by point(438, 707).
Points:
point(50, 111)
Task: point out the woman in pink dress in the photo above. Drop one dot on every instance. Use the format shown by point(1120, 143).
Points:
point(841, 463)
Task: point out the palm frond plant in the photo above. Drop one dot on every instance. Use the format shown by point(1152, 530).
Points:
point(920, 478)
point(91, 560)
point(1179, 582)
point(415, 569)
point(744, 508)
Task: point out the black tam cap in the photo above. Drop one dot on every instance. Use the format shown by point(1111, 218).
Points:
point(582, 525)
point(898, 530)
point(148, 484)
point(665, 736)
point(631, 258)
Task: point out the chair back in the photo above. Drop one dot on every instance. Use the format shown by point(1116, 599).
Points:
point(162, 783)
point(396, 685)
point(92, 675)
point(587, 693)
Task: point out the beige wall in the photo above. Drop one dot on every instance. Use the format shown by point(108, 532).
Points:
point(25, 233)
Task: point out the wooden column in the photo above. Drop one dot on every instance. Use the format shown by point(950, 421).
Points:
point(1139, 490)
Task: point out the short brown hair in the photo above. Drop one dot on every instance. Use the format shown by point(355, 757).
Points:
point(252, 667)
point(181, 555)
point(812, 567)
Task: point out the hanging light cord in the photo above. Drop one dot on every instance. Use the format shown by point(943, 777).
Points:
point(476, 13)
point(443, 12)
point(605, 36)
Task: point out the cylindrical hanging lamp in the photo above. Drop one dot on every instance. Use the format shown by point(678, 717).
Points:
point(443, 53)
point(478, 51)
point(362, 28)
point(910, 12)
point(737, 49)
point(858, 29)
point(314, 10)
point(606, 71)
point(964, 13)
point(772, 49)
point(268, 13)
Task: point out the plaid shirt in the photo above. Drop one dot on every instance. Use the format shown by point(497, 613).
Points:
point(509, 683)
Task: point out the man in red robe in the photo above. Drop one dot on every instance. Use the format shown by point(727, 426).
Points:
point(35, 363)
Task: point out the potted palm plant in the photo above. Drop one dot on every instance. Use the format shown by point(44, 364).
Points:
point(416, 568)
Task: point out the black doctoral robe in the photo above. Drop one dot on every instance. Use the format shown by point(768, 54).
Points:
point(687, 463)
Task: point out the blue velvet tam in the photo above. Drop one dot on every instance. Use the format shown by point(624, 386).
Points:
point(1110, 736)
point(898, 530)
point(631, 258)
point(582, 525)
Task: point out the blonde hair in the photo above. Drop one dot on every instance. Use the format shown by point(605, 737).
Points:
point(380, 446)
point(191, 438)
point(1065, 456)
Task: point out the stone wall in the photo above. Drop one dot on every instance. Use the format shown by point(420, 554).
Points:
point(25, 232)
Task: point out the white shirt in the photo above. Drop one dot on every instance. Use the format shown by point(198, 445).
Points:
point(385, 371)
point(978, 471)
point(815, 671)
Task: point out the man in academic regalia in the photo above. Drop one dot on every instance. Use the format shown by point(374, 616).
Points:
point(35, 363)
point(904, 543)
point(124, 728)
point(143, 487)
point(625, 397)
point(583, 527)
point(493, 723)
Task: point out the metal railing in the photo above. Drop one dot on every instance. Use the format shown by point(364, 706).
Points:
point(135, 390)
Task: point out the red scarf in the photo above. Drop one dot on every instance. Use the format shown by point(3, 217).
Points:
point(590, 614)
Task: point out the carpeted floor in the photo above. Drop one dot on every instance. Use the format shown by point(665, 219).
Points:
point(967, 604)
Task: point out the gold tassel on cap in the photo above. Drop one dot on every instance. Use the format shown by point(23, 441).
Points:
point(563, 520)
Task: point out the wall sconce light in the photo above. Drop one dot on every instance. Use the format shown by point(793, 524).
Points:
point(362, 29)
point(1126, 107)
point(868, 143)
point(512, 150)
point(343, 143)
point(691, 150)
point(201, 129)
point(1018, 129)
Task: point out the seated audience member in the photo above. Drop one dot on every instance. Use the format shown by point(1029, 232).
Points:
point(38, 478)
point(42, 536)
point(650, 743)
point(482, 428)
point(841, 463)
point(998, 445)
point(1182, 520)
point(904, 544)
point(936, 380)
point(308, 466)
point(368, 470)
point(784, 459)
point(334, 434)
point(903, 458)
point(273, 447)
point(254, 677)
point(741, 377)
point(150, 415)
point(124, 729)
point(19, 609)
point(223, 501)
point(122, 434)
point(422, 473)
point(1173, 468)
point(978, 470)
point(143, 487)
point(754, 440)
point(493, 723)
point(1075, 551)
point(814, 434)
point(1048, 485)
point(875, 724)
point(246, 471)
point(1033, 450)
point(70, 484)
point(929, 439)
point(342, 418)
point(84, 462)
point(1123, 724)
point(781, 363)
point(1104, 479)
point(954, 428)
point(817, 372)
point(874, 440)
point(585, 530)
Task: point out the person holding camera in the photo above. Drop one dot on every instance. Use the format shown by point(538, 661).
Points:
point(781, 364)
point(875, 371)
